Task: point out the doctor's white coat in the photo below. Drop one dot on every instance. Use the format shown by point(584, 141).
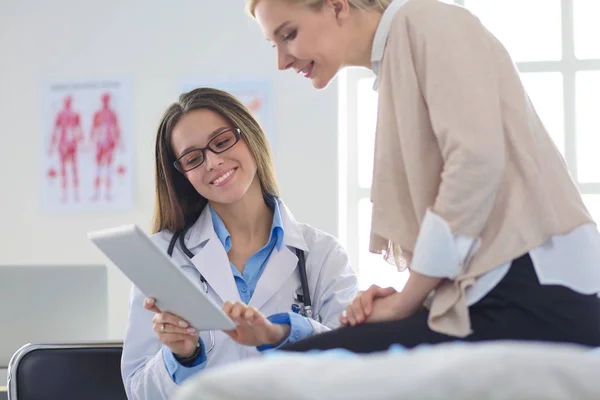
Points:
point(332, 281)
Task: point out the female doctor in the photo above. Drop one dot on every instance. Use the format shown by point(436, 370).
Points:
point(468, 192)
point(219, 214)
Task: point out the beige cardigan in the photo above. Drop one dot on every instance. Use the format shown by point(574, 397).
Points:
point(457, 134)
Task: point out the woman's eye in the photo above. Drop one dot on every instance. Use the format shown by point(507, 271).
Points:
point(290, 36)
point(192, 160)
point(222, 143)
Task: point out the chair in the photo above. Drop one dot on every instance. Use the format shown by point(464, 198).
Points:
point(90, 371)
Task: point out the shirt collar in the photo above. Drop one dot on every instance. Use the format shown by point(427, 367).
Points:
point(225, 237)
point(381, 36)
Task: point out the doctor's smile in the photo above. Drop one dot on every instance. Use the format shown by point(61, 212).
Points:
point(224, 178)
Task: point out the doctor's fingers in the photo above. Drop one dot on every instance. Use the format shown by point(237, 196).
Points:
point(164, 328)
point(227, 306)
point(236, 310)
point(357, 315)
point(348, 317)
point(168, 318)
point(150, 305)
point(251, 314)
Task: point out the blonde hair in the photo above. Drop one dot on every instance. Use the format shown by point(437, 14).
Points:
point(178, 204)
point(364, 5)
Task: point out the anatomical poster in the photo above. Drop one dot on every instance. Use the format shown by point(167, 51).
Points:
point(87, 146)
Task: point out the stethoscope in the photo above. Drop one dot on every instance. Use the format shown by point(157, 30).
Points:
point(305, 309)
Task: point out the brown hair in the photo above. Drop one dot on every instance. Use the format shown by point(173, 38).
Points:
point(365, 5)
point(178, 204)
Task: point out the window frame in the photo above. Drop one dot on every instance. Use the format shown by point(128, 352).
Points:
point(350, 191)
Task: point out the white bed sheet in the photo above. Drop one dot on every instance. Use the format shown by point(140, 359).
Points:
point(502, 370)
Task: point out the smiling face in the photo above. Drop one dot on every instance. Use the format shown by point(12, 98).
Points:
point(309, 41)
point(222, 178)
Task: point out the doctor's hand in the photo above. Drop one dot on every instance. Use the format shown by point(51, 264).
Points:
point(363, 305)
point(253, 329)
point(172, 331)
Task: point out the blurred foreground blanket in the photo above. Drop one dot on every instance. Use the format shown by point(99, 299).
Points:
point(478, 371)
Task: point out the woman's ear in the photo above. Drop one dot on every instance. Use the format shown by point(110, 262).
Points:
point(341, 9)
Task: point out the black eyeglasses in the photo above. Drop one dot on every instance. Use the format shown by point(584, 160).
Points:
point(219, 144)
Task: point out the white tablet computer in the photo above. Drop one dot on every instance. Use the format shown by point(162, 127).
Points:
point(157, 276)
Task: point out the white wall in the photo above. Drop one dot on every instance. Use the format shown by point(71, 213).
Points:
point(155, 43)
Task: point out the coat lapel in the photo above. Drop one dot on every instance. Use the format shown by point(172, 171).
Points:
point(211, 259)
point(282, 264)
point(213, 264)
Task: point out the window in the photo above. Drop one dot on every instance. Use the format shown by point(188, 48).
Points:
point(555, 46)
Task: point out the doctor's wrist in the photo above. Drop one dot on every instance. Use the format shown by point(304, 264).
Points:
point(187, 361)
point(280, 334)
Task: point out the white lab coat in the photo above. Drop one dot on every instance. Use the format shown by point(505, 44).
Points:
point(332, 281)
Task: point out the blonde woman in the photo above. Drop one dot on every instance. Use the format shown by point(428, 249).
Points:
point(468, 191)
point(219, 215)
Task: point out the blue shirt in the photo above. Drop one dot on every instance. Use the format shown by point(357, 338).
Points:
point(300, 327)
point(246, 281)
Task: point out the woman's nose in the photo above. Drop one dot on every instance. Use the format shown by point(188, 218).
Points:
point(212, 160)
point(284, 59)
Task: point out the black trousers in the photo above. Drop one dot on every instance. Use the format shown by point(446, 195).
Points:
point(518, 308)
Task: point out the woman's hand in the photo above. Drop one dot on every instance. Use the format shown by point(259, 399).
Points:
point(253, 329)
point(172, 331)
point(390, 308)
point(378, 304)
point(362, 306)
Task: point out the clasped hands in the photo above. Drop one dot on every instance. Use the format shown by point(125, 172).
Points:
point(377, 304)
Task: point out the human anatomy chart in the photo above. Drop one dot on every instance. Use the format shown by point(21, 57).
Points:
point(88, 154)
